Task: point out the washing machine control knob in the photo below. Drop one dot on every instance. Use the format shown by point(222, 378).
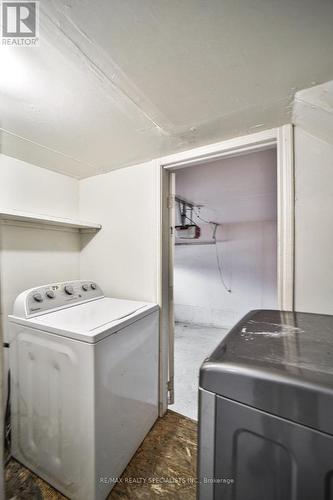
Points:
point(85, 287)
point(93, 286)
point(38, 297)
point(69, 289)
point(50, 294)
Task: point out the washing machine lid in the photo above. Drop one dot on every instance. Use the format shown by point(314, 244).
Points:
point(91, 321)
point(279, 362)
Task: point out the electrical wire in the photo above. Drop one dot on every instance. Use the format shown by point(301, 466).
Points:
point(188, 218)
point(203, 220)
point(218, 260)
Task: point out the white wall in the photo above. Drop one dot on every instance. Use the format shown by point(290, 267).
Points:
point(248, 255)
point(314, 224)
point(133, 192)
point(122, 257)
point(31, 255)
point(240, 194)
point(33, 189)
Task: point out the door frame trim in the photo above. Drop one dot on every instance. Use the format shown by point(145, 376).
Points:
point(282, 139)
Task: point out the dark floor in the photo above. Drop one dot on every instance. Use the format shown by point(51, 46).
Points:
point(164, 467)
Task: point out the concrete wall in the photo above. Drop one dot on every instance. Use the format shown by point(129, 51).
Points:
point(314, 224)
point(248, 257)
point(122, 257)
point(240, 194)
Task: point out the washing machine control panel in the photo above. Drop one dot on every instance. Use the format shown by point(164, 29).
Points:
point(60, 295)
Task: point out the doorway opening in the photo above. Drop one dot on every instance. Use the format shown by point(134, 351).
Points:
point(279, 143)
point(224, 257)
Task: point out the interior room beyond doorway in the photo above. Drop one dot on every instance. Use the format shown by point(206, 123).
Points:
point(225, 257)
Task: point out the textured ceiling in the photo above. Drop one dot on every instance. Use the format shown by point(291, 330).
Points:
point(117, 82)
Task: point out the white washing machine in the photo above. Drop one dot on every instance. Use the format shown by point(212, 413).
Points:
point(84, 372)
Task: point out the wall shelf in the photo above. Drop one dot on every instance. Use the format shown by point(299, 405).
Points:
point(12, 216)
